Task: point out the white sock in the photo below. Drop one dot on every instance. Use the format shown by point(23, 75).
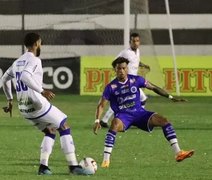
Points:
point(107, 153)
point(107, 115)
point(46, 149)
point(175, 145)
point(68, 148)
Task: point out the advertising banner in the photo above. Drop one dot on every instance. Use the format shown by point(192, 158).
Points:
point(194, 73)
point(96, 72)
point(59, 75)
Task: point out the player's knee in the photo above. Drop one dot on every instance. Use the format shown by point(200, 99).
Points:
point(64, 126)
point(64, 132)
point(163, 121)
point(49, 130)
point(158, 120)
point(116, 125)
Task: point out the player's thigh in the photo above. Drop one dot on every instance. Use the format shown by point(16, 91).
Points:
point(117, 125)
point(53, 119)
point(125, 119)
point(158, 120)
point(142, 120)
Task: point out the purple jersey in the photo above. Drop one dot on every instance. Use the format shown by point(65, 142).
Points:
point(125, 96)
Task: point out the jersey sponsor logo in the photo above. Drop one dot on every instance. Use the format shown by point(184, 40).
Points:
point(133, 89)
point(24, 102)
point(124, 86)
point(122, 100)
point(127, 105)
point(124, 91)
point(27, 110)
point(117, 93)
point(20, 63)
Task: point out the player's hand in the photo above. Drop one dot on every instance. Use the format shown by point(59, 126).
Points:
point(147, 67)
point(179, 100)
point(48, 94)
point(96, 127)
point(9, 107)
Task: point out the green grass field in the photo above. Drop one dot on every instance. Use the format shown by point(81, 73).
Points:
point(136, 155)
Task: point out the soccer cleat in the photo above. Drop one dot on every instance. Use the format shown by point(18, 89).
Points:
point(103, 124)
point(44, 170)
point(78, 170)
point(105, 164)
point(183, 155)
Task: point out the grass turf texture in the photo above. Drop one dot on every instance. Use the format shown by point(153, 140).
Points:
point(136, 155)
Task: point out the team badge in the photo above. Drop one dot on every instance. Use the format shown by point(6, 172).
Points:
point(133, 89)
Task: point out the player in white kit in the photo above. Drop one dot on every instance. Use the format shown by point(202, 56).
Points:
point(33, 103)
point(133, 55)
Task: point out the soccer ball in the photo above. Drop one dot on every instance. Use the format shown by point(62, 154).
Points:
point(89, 164)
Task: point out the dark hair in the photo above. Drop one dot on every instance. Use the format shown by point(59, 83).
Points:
point(30, 39)
point(119, 60)
point(133, 35)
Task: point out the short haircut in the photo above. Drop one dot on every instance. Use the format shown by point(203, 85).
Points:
point(30, 39)
point(119, 60)
point(133, 35)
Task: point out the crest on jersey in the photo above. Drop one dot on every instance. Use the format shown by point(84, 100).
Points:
point(133, 89)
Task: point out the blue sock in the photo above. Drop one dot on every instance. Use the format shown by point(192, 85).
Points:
point(109, 142)
point(169, 132)
point(171, 136)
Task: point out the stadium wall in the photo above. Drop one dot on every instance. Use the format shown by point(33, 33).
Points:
point(95, 27)
point(93, 30)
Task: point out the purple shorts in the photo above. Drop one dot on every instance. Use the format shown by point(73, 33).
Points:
point(139, 119)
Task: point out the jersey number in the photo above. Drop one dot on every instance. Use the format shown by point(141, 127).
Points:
point(20, 86)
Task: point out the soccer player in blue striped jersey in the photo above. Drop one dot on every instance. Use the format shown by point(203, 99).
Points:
point(124, 97)
point(34, 105)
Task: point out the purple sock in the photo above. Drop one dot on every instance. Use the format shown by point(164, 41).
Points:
point(109, 142)
point(169, 132)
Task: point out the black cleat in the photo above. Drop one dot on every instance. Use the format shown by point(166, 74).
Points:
point(103, 124)
point(44, 170)
point(78, 170)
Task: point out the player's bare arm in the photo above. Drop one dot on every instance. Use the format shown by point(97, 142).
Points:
point(144, 65)
point(162, 92)
point(100, 108)
point(6, 79)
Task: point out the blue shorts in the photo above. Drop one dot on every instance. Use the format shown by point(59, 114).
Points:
point(139, 119)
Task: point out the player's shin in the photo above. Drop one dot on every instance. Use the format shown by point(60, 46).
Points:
point(68, 147)
point(109, 143)
point(170, 135)
point(46, 148)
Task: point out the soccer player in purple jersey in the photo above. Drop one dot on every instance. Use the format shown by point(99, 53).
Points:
point(123, 94)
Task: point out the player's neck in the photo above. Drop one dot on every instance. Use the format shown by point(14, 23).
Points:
point(133, 49)
point(32, 51)
point(122, 80)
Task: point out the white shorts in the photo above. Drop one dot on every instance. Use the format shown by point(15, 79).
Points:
point(143, 97)
point(52, 118)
